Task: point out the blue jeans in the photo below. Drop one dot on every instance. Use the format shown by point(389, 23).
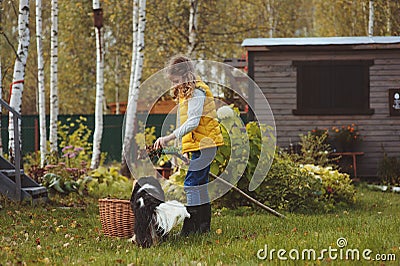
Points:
point(196, 180)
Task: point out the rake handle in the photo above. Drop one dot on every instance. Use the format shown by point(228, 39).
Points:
point(253, 200)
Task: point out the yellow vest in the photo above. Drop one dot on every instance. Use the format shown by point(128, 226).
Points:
point(208, 133)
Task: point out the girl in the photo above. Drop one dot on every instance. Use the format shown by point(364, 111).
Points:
point(200, 134)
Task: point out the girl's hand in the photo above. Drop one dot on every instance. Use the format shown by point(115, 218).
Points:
point(160, 142)
point(186, 156)
point(163, 141)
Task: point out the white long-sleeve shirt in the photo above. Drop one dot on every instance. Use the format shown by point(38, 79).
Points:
point(194, 113)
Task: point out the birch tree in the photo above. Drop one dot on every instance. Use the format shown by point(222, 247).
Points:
point(1, 80)
point(1, 97)
point(98, 131)
point(271, 16)
point(41, 90)
point(192, 26)
point(371, 19)
point(139, 25)
point(54, 77)
point(17, 85)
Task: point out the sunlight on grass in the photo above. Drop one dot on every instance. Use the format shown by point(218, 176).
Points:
point(49, 234)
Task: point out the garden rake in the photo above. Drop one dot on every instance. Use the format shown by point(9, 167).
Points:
point(156, 153)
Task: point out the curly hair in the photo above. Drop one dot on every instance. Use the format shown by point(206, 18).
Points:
point(181, 66)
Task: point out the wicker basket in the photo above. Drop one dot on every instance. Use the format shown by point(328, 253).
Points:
point(116, 217)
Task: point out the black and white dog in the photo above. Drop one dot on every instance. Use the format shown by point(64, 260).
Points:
point(154, 218)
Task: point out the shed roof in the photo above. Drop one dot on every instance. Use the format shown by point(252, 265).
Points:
point(257, 43)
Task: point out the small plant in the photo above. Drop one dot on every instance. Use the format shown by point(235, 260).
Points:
point(337, 186)
point(64, 169)
point(106, 182)
point(319, 132)
point(314, 149)
point(389, 170)
point(75, 134)
point(146, 136)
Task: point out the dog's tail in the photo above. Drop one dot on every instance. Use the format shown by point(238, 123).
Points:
point(169, 214)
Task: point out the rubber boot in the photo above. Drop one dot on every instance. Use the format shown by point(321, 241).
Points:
point(190, 225)
point(204, 218)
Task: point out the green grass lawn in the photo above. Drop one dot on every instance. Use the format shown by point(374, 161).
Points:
point(53, 235)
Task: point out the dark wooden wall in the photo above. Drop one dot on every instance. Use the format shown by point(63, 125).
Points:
point(275, 74)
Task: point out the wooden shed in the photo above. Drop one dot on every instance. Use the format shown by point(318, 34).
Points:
point(324, 82)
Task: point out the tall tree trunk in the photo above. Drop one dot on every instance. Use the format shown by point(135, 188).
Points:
point(1, 97)
point(388, 18)
point(1, 78)
point(117, 82)
point(98, 130)
point(136, 75)
point(270, 12)
point(41, 88)
point(193, 18)
point(130, 116)
point(17, 86)
point(371, 18)
point(53, 77)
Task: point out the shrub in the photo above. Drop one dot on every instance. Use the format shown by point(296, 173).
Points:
point(65, 169)
point(106, 182)
point(314, 149)
point(288, 185)
point(337, 187)
point(389, 170)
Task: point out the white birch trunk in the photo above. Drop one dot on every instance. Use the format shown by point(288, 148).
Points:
point(98, 130)
point(130, 116)
point(41, 88)
point(371, 19)
point(270, 11)
point(134, 45)
point(53, 77)
point(193, 18)
point(117, 82)
point(1, 84)
point(137, 65)
point(388, 18)
point(19, 71)
point(1, 97)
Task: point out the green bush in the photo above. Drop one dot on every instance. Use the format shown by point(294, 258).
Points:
point(337, 187)
point(66, 169)
point(106, 182)
point(288, 185)
point(315, 149)
point(389, 170)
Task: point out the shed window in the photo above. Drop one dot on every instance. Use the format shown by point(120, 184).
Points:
point(333, 87)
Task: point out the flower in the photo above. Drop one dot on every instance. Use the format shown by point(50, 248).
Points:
point(67, 148)
point(225, 112)
point(78, 149)
point(345, 137)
